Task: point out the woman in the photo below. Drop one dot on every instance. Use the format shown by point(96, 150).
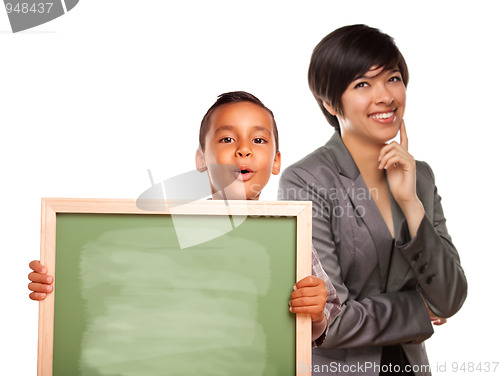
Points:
point(378, 224)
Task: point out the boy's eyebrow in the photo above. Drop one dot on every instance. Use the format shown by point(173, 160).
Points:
point(232, 127)
point(261, 128)
point(224, 128)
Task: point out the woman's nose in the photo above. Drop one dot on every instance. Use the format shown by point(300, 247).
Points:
point(383, 95)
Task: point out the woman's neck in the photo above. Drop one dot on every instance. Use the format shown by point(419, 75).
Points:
point(365, 154)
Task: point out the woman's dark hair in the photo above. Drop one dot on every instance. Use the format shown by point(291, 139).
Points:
point(228, 98)
point(346, 54)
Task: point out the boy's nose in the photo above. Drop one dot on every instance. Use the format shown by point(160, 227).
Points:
point(243, 151)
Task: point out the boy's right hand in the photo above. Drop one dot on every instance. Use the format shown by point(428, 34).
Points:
point(309, 296)
point(41, 283)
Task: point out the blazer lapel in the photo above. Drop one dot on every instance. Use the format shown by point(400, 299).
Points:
point(362, 202)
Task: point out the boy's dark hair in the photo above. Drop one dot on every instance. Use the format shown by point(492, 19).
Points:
point(234, 97)
point(346, 54)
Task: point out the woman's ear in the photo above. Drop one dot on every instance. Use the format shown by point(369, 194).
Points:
point(276, 164)
point(330, 109)
point(201, 166)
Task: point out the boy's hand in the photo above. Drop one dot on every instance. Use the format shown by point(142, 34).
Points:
point(41, 283)
point(309, 296)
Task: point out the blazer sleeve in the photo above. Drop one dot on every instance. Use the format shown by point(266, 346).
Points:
point(433, 257)
point(332, 304)
point(384, 319)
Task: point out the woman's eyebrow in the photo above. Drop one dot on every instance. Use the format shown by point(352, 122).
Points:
point(365, 77)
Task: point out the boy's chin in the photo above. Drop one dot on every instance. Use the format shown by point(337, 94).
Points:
point(229, 195)
point(232, 196)
point(253, 197)
point(238, 191)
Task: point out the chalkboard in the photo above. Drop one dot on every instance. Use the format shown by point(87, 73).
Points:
point(196, 289)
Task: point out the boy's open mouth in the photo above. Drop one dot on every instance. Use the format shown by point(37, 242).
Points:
point(244, 174)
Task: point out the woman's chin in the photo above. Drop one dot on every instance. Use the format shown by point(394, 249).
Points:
point(386, 135)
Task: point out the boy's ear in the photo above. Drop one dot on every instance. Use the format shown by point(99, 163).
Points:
point(276, 164)
point(330, 109)
point(201, 166)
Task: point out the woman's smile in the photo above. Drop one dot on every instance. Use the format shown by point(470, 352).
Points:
point(383, 115)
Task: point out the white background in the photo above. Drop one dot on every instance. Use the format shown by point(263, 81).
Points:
point(90, 101)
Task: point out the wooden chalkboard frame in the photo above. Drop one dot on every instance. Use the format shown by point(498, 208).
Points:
point(302, 210)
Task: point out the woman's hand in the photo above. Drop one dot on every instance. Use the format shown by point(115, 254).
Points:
point(401, 177)
point(435, 320)
point(41, 283)
point(400, 167)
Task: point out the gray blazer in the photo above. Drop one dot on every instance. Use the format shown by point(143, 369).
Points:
point(379, 280)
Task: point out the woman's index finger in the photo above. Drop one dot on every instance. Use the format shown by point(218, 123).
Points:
point(403, 136)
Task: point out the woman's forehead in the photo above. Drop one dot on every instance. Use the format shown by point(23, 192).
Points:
point(376, 70)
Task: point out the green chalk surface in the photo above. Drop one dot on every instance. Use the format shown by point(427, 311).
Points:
point(129, 301)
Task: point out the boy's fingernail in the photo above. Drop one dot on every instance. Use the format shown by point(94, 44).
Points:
point(294, 287)
point(49, 288)
point(44, 271)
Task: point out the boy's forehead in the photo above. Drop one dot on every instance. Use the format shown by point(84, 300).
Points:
point(241, 113)
point(222, 128)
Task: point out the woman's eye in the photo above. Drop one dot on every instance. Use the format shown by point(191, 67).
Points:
point(226, 140)
point(395, 79)
point(361, 84)
point(259, 140)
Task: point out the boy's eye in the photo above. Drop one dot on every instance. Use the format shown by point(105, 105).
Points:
point(226, 140)
point(259, 140)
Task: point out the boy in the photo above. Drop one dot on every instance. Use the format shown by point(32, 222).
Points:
point(239, 150)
